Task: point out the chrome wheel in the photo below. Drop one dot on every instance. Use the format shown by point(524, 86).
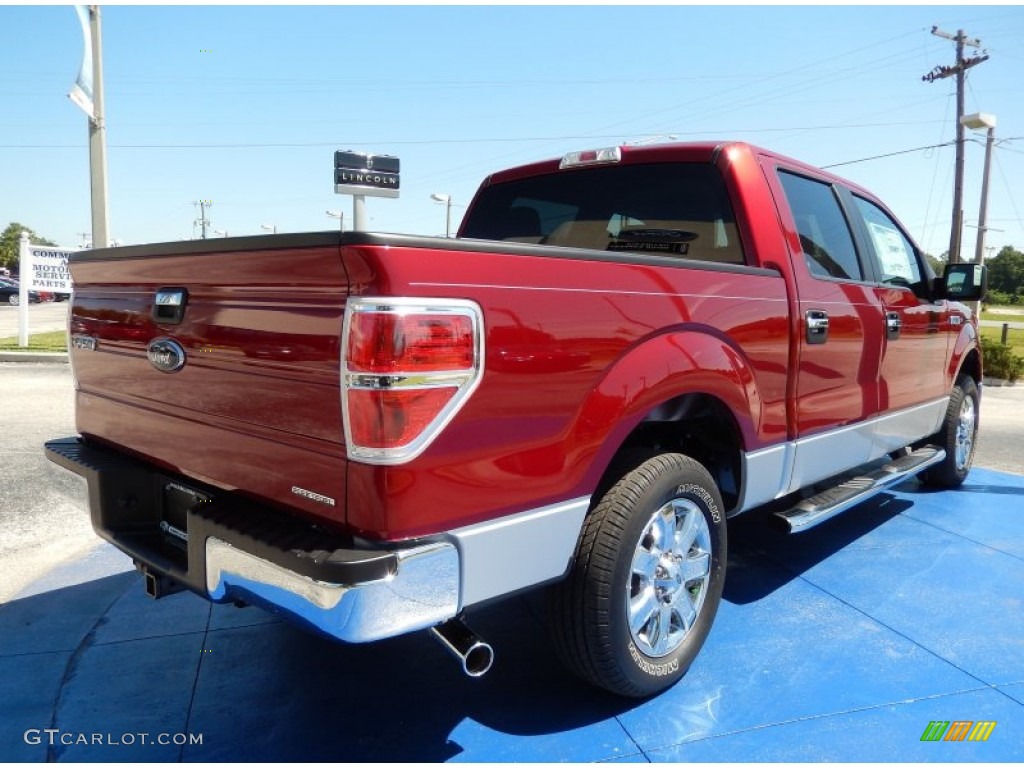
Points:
point(14, 299)
point(965, 429)
point(646, 578)
point(671, 569)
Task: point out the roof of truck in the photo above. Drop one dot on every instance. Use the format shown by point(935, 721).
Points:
point(698, 151)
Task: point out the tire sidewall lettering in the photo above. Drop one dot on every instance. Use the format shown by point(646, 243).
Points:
point(695, 491)
point(654, 669)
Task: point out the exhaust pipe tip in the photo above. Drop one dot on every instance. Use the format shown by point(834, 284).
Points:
point(479, 660)
point(474, 655)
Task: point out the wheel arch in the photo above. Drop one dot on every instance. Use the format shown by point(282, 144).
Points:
point(966, 357)
point(689, 392)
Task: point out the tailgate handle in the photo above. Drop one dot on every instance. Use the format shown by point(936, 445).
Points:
point(169, 305)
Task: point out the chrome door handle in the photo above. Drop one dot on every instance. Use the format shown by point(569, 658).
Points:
point(893, 325)
point(817, 326)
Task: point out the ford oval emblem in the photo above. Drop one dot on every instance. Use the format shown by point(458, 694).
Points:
point(166, 355)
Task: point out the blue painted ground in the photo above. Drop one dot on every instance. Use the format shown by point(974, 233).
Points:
point(842, 643)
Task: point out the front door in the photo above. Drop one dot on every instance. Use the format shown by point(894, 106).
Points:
point(913, 370)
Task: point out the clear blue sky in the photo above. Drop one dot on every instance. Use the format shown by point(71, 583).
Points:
point(245, 105)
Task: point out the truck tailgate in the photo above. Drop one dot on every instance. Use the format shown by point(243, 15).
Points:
point(253, 403)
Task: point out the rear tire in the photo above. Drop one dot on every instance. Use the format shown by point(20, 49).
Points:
point(646, 580)
point(14, 300)
point(958, 436)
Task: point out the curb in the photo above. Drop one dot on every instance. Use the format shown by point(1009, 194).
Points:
point(33, 357)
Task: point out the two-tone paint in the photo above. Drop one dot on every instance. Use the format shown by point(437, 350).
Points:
point(584, 352)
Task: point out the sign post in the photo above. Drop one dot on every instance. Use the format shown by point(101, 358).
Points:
point(362, 175)
point(24, 275)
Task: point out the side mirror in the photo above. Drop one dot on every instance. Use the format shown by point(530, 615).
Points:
point(964, 282)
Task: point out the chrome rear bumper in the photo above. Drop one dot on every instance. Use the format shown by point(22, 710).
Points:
point(423, 592)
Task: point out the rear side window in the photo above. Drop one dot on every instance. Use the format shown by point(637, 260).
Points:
point(825, 236)
point(679, 209)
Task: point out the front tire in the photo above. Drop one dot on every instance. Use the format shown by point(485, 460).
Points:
point(14, 300)
point(958, 436)
point(646, 580)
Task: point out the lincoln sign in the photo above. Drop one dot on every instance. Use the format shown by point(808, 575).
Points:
point(360, 174)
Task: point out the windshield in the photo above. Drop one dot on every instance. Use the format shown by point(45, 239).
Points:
point(679, 209)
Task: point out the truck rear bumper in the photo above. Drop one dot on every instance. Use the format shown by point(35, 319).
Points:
point(226, 548)
point(423, 592)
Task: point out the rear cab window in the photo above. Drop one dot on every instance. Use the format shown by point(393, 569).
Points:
point(674, 209)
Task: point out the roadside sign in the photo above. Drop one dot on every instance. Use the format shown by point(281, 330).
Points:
point(42, 268)
point(356, 173)
point(49, 269)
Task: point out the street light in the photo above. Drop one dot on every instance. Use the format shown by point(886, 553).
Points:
point(976, 122)
point(221, 232)
point(269, 227)
point(340, 216)
point(447, 200)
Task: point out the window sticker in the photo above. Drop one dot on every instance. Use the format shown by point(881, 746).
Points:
point(892, 253)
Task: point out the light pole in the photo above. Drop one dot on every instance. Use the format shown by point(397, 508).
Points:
point(272, 228)
point(340, 216)
point(447, 200)
point(976, 122)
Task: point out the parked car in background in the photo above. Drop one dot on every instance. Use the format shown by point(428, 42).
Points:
point(9, 293)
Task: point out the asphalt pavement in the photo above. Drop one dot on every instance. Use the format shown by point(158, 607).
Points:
point(42, 318)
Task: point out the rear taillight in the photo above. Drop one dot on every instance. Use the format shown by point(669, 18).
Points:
point(408, 365)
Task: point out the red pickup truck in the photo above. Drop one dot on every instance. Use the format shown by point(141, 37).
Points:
point(371, 434)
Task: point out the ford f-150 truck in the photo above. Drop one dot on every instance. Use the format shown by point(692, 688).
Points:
point(372, 434)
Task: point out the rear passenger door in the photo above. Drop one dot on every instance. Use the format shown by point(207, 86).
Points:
point(840, 336)
point(913, 370)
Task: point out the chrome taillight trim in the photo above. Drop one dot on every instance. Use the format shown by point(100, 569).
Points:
point(465, 380)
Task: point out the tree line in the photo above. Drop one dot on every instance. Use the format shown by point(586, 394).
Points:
point(1006, 277)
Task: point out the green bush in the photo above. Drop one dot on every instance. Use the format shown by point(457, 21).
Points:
point(999, 299)
point(1000, 362)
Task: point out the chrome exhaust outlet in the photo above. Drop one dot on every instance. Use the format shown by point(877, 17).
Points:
point(460, 641)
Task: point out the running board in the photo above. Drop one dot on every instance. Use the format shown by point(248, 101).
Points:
point(827, 504)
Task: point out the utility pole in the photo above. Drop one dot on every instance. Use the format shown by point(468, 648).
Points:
point(979, 249)
point(959, 69)
point(87, 94)
point(98, 138)
point(202, 221)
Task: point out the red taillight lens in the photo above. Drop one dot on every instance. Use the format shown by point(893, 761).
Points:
point(409, 365)
point(409, 343)
point(393, 418)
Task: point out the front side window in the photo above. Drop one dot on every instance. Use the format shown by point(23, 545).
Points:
point(825, 236)
point(676, 209)
point(895, 257)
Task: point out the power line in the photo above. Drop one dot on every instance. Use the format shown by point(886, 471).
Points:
point(488, 140)
point(890, 154)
